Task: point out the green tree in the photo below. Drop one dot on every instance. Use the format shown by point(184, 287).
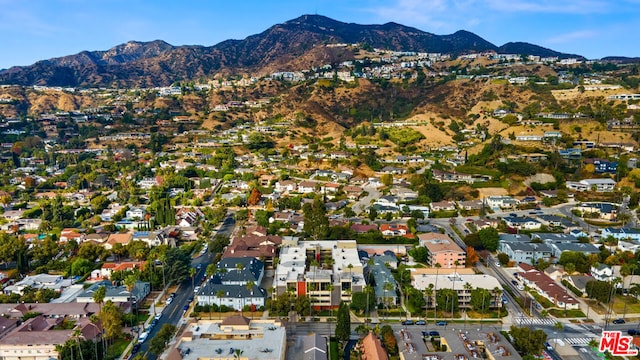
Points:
point(527, 340)
point(489, 238)
point(343, 323)
point(81, 266)
point(420, 254)
point(503, 258)
point(415, 300)
point(599, 290)
point(177, 265)
point(389, 340)
point(447, 299)
point(480, 300)
point(316, 222)
point(111, 320)
point(162, 338)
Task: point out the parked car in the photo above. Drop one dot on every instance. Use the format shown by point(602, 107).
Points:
point(196, 289)
point(143, 337)
point(513, 215)
point(619, 321)
point(421, 322)
point(633, 332)
point(548, 346)
point(434, 333)
point(441, 323)
point(135, 349)
point(514, 282)
point(199, 266)
point(185, 308)
point(190, 299)
point(158, 316)
point(408, 322)
point(169, 300)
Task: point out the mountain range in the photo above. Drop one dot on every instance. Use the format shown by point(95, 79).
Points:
point(280, 47)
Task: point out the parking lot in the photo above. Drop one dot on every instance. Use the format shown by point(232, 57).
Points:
point(460, 340)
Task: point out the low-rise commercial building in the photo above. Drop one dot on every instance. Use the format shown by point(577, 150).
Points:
point(233, 338)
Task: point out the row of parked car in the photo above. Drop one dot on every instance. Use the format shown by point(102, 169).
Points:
point(422, 322)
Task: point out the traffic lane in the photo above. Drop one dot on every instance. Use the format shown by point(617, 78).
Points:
point(172, 313)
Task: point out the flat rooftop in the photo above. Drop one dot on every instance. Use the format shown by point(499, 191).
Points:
point(262, 339)
point(454, 281)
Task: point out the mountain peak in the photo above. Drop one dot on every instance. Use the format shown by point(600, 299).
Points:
point(157, 63)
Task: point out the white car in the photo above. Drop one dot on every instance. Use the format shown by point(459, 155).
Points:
point(497, 264)
point(158, 316)
point(169, 300)
point(196, 289)
point(143, 337)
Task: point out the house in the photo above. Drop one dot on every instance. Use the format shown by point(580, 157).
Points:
point(136, 213)
point(599, 185)
point(621, 233)
point(606, 211)
point(233, 296)
point(363, 228)
point(113, 239)
point(239, 271)
point(522, 223)
point(116, 294)
point(443, 206)
point(470, 205)
point(353, 192)
point(425, 210)
point(286, 186)
point(603, 166)
point(442, 250)
point(554, 238)
point(67, 235)
point(314, 347)
point(109, 268)
point(381, 275)
point(525, 252)
point(601, 272)
point(546, 287)
point(500, 202)
point(39, 281)
point(38, 338)
point(307, 187)
point(486, 223)
point(558, 248)
point(451, 176)
point(387, 200)
point(394, 229)
point(371, 348)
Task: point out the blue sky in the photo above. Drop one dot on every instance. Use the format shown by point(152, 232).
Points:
point(34, 30)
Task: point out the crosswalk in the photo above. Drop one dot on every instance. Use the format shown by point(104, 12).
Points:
point(528, 321)
point(578, 340)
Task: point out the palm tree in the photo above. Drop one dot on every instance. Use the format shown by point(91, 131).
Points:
point(192, 274)
point(453, 285)
point(496, 293)
point(219, 294)
point(387, 287)
point(428, 293)
point(98, 297)
point(130, 283)
point(435, 293)
point(250, 284)
point(467, 289)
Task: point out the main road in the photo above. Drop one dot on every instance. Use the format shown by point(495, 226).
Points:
point(173, 313)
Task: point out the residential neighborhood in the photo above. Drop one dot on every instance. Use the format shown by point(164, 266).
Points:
point(201, 220)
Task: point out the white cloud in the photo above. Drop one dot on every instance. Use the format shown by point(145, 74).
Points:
point(571, 36)
point(549, 6)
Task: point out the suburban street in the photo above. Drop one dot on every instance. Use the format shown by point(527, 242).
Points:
point(173, 313)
